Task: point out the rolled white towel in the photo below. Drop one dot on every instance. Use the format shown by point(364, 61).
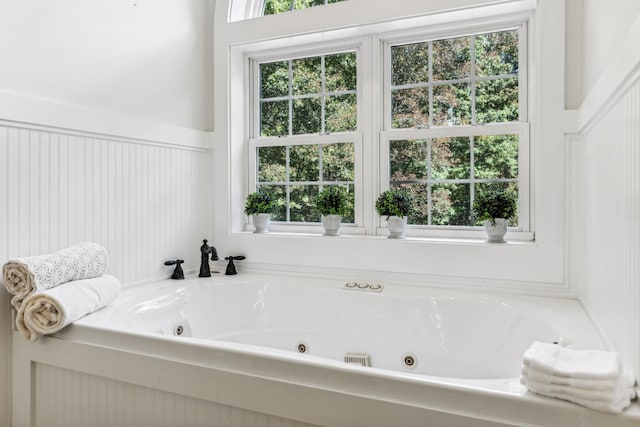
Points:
point(24, 276)
point(625, 381)
point(559, 361)
point(51, 310)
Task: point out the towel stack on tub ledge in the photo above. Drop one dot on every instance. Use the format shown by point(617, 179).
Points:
point(51, 291)
point(591, 378)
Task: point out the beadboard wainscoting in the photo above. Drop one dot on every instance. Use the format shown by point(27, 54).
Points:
point(71, 398)
point(604, 212)
point(145, 201)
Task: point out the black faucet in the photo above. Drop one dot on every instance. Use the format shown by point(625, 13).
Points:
point(205, 250)
point(231, 268)
point(177, 273)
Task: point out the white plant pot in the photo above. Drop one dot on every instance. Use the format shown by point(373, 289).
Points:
point(261, 222)
point(495, 233)
point(331, 224)
point(396, 226)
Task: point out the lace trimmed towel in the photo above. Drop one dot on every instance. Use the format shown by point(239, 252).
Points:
point(24, 276)
point(51, 310)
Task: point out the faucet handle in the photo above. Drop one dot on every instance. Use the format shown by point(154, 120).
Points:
point(178, 274)
point(231, 268)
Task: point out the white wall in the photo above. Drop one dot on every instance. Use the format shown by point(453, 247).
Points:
point(102, 107)
point(142, 58)
point(605, 25)
point(604, 208)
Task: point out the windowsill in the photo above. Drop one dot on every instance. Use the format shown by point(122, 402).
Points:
point(512, 238)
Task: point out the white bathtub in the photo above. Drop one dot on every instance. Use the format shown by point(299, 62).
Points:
point(465, 349)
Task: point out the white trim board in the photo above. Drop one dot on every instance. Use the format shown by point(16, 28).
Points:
point(27, 110)
point(623, 70)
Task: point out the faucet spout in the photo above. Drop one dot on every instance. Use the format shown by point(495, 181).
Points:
point(205, 250)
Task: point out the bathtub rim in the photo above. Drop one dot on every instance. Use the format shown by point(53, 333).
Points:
point(428, 394)
point(487, 400)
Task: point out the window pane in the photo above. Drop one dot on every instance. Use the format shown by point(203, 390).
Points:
point(410, 108)
point(497, 54)
point(410, 64)
point(408, 159)
point(306, 115)
point(451, 58)
point(279, 194)
point(302, 201)
point(452, 105)
point(272, 164)
point(274, 79)
point(349, 218)
point(341, 113)
point(304, 163)
point(338, 162)
point(497, 101)
point(303, 4)
point(450, 204)
point(274, 118)
point(340, 72)
point(273, 7)
point(420, 210)
point(496, 156)
point(450, 158)
point(306, 76)
point(511, 186)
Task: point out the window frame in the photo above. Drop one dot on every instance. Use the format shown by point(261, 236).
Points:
point(322, 138)
point(374, 124)
point(521, 127)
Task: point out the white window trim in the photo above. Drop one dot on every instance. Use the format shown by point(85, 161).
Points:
point(343, 137)
point(358, 46)
point(524, 230)
point(371, 123)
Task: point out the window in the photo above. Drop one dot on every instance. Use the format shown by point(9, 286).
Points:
point(306, 119)
point(454, 123)
point(273, 7)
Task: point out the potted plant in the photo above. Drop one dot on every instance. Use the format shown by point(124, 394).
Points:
point(332, 204)
point(395, 204)
point(260, 205)
point(495, 206)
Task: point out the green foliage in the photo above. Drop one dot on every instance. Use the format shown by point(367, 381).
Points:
point(495, 202)
point(332, 200)
point(299, 165)
point(304, 77)
point(259, 202)
point(272, 7)
point(394, 202)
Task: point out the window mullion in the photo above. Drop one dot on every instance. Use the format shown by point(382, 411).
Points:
point(323, 95)
point(430, 90)
point(288, 186)
point(472, 176)
point(290, 103)
point(473, 79)
point(429, 185)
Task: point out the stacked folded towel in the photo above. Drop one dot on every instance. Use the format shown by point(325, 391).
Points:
point(591, 378)
point(50, 291)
